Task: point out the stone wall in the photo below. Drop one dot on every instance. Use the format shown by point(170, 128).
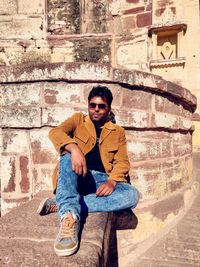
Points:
point(70, 31)
point(112, 32)
point(155, 113)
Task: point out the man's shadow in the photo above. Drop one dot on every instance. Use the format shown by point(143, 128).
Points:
point(123, 220)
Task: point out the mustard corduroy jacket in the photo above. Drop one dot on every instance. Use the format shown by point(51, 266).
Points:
point(79, 129)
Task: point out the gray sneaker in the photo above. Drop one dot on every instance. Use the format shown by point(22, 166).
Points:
point(47, 205)
point(66, 242)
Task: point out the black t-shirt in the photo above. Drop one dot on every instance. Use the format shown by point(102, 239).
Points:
point(93, 158)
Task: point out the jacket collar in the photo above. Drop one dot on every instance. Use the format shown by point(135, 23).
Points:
point(107, 128)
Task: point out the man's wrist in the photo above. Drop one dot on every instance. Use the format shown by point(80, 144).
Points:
point(113, 182)
point(70, 147)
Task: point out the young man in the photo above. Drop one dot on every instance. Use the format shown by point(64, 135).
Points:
point(93, 168)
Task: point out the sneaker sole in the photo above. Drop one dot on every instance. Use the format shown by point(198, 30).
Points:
point(66, 252)
point(40, 208)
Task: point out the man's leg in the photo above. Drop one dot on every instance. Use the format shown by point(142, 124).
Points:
point(124, 196)
point(67, 196)
point(67, 200)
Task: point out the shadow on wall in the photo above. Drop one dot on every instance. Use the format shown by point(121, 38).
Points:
point(123, 220)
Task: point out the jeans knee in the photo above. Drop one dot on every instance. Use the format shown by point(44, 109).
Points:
point(135, 196)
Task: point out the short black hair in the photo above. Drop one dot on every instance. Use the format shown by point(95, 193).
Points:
point(101, 91)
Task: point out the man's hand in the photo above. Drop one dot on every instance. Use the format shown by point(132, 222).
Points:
point(106, 188)
point(78, 159)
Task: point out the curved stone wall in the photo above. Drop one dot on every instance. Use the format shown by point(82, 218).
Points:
point(155, 113)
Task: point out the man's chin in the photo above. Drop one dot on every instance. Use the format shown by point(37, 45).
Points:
point(96, 118)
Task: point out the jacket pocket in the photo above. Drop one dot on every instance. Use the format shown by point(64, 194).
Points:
point(112, 149)
point(81, 135)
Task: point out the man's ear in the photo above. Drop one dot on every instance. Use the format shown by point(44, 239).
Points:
point(111, 116)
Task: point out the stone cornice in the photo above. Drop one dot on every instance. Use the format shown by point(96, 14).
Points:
point(174, 25)
point(166, 63)
point(90, 72)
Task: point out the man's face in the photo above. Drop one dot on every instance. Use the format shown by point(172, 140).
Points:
point(98, 110)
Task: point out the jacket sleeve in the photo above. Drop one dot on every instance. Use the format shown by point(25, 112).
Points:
point(61, 135)
point(121, 163)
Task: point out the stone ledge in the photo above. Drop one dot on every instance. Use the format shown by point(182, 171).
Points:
point(28, 238)
point(90, 72)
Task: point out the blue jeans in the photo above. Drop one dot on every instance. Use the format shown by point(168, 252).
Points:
point(76, 194)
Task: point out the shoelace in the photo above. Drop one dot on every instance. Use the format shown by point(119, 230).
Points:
point(53, 208)
point(68, 227)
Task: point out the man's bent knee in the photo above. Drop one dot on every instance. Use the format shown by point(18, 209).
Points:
point(134, 195)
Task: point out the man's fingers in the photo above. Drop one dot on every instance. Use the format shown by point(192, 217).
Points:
point(103, 190)
point(84, 170)
point(106, 188)
point(98, 192)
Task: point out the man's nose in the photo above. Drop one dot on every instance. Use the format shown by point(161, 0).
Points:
point(97, 108)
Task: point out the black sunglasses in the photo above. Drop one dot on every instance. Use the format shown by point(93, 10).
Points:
point(100, 106)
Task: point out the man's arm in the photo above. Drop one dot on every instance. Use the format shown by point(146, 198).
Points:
point(121, 164)
point(60, 137)
point(120, 169)
point(78, 159)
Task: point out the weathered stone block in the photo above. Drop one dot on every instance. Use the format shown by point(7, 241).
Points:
point(167, 149)
point(8, 204)
point(185, 124)
point(133, 1)
point(10, 55)
point(137, 99)
point(36, 7)
point(25, 176)
point(22, 27)
point(165, 120)
point(62, 93)
point(182, 144)
point(79, 71)
point(93, 50)
point(127, 77)
point(149, 145)
point(149, 7)
point(186, 113)
point(129, 24)
point(8, 171)
point(144, 20)
point(15, 141)
point(64, 17)
point(42, 150)
point(62, 55)
point(132, 52)
point(52, 116)
point(115, 25)
point(137, 150)
point(149, 180)
point(43, 178)
point(134, 10)
point(36, 55)
point(167, 105)
point(95, 17)
point(138, 119)
point(175, 89)
point(8, 7)
point(191, 99)
point(20, 94)
point(21, 117)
